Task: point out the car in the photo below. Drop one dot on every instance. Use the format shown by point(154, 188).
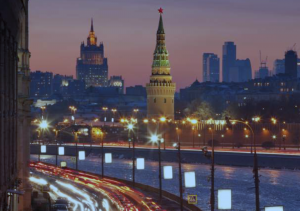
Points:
point(60, 207)
point(62, 201)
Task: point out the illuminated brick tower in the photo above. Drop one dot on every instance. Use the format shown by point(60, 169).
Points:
point(92, 65)
point(161, 89)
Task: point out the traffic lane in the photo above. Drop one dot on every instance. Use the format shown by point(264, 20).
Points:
point(82, 198)
point(120, 194)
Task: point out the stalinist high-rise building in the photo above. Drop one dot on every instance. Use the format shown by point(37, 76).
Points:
point(161, 89)
point(92, 65)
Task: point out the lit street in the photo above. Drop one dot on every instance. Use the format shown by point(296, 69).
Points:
point(87, 192)
point(276, 185)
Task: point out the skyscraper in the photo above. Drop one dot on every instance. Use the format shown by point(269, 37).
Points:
point(92, 65)
point(161, 89)
point(241, 71)
point(291, 59)
point(211, 67)
point(278, 66)
point(229, 57)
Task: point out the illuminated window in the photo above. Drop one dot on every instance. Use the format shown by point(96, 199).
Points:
point(165, 100)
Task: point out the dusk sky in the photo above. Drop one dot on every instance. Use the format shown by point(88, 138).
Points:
point(128, 31)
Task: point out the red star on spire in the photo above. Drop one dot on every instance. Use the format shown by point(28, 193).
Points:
point(160, 10)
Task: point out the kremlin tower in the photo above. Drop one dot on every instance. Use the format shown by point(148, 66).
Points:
point(161, 89)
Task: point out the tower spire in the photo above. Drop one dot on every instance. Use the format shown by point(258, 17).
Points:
point(92, 26)
point(92, 39)
point(160, 29)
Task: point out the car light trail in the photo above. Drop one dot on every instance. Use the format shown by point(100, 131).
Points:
point(118, 193)
point(59, 193)
point(38, 181)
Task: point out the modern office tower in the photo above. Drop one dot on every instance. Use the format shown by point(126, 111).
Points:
point(229, 58)
point(278, 66)
point(161, 89)
point(241, 71)
point(92, 65)
point(211, 67)
point(291, 60)
point(41, 84)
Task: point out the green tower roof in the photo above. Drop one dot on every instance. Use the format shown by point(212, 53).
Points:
point(160, 29)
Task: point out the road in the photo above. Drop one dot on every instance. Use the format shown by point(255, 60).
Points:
point(81, 198)
point(89, 193)
point(276, 185)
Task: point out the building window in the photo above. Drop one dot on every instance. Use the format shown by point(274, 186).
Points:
point(154, 100)
point(165, 100)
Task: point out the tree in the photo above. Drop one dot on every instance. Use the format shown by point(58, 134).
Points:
point(231, 111)
point(204, 111)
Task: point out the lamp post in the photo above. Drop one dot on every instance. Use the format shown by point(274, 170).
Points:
point(104, 109)
point(43, 108)
point(130, 127)
point(155, 139)
point(73, 112)
point(76, 147)
point(255, 161)
point(102, 156)
point(114, 110)
point(177, 145)
point(194, 122)
point(212, 190)
point(135, 111)
point(274, 121)
point(43, 126)
point(163, 120)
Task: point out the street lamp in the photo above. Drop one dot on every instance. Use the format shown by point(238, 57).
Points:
point(114, 110)
point(255, 162)
point(163, 120)
point(193, 122)
point(177, 145)
point(130, 127)
point(154, 138)
point(104, 109)
point(43, 125)
point(43, 108)
point(73, 111)
point(135, 111)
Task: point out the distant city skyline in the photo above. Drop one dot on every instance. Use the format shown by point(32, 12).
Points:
point(127, 30)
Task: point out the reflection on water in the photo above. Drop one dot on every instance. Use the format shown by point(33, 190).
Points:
point(227, 171)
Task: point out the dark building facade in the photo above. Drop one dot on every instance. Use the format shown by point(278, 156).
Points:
point(241, 71)
point(14, 106)
point(278, 66)
point(60, 81)
point(229, 58)
point(117, 82)
point(290, 63)
point(211, 67)
point(92, 65)
point(41, 84)
point(137, 90)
